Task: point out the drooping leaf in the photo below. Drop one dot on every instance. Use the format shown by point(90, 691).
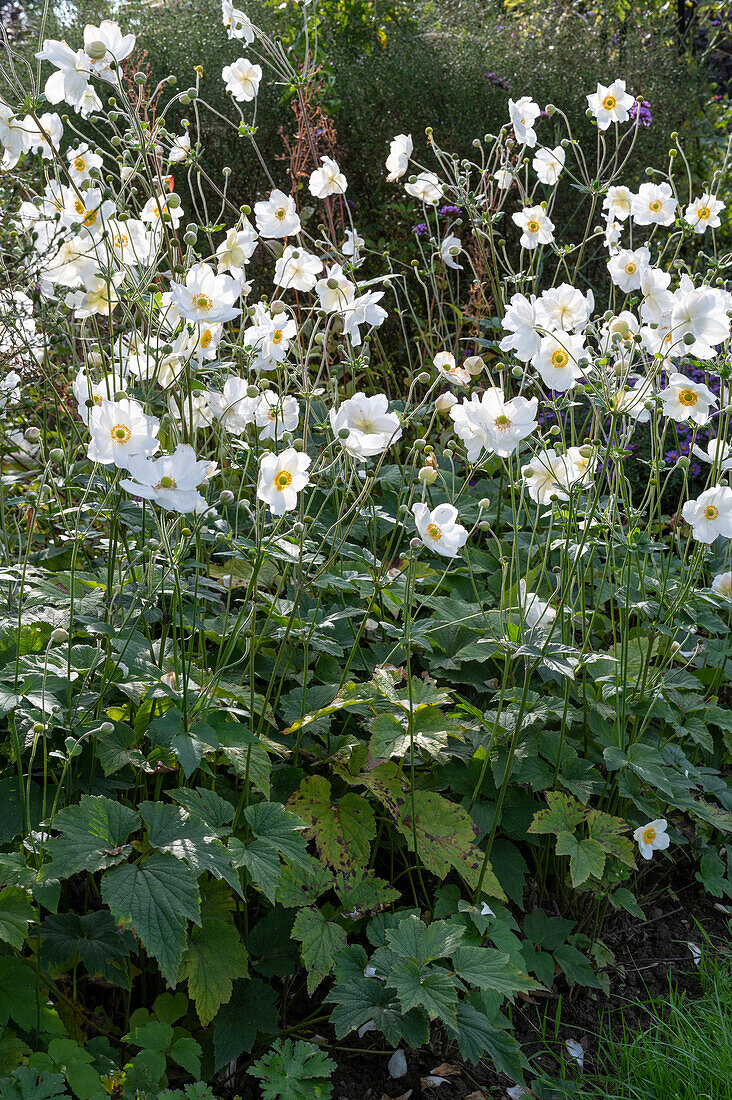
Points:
point(93, 938)
point(157, 899)
point(214, 959)
point(16, 913)
point(487, 968)
point(358, 999)
point(431, 988)
point(25, 1083)
point(294, 1071)
point(250, 1012)
point(586, 857)
point(321, 939)
point(413, 939)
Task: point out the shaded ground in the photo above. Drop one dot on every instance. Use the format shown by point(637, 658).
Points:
point(649, 955)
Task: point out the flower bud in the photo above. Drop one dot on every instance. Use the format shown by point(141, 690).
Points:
point(423, 377)
point(106, 727)
point(415, 544)
point(427, 475)
point(32, 434)
point(56, 455)
point(59, 636)
point(445, 402)
point(484, 503)
point(371, 624)
point(475, 364)
point(96, 50)
point(277, 307)
point(226, 496)
point(343, 433)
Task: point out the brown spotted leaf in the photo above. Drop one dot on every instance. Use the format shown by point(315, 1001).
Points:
point(342, 830)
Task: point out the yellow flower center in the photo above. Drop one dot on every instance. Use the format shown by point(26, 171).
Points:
point(98, 399)
point(79, 206)
point(434, 531)
point(631, 268)
point(167, 483)
point(120, 240)
point(79, 164)
point(655, 206)
point(560, 358)
point(120, 433)
point(502, 422)
point(202, 302)
point(704, 213)
point(710, 512)
point(206, 338)
point(688, 398)
point(277, 336)
point(609, 102)
point(280, 213)
point(532, 226)
point(649, 834)
point(283, 479)
point(90, 218)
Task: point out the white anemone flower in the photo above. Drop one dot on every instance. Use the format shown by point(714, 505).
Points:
point(610, 104)
point(85, 390)
point(439, 529)
point(370, 426)
point(522, 324)
point(119, 430)
point(536, 227)
point(627, 266)
point(70, 83)
point(426, 187)
point(156, 211)
point(683, 399)
point(238, 25)
point(451, 248)
point(557, 361)
point(281, 478)
point(718, 453)
point(493, 423)
point(400, 150)
point(535, 611)
point(722, 585)
point(549, 164)
point(206, 297)
point(618, 202)
point(352, 243)
point(363, 310)
point(98, 295)
point(117, 47)
point(523, 114)
point(703, 213)
point(700, 318)
point(710, 515)
point(237, 249)
point(277, 216)
point(549, 476)
point(654, 204)
point(81, 160)
point(242, 79)
point(9, 389)
point(635, 402)
point(564, 307)
point(652, 837)
point(233, 407)
point(275, 415)
point(171, 481)
point(327, 180)
point(297, 269)
point(180, 148)
point(335, 291)
point(446, 366)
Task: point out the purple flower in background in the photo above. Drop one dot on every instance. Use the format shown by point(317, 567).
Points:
point(498, 81)
point(421, 229)
point(642, 111)
point(448, 209)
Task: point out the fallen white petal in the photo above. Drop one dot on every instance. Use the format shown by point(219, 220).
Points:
point(397, 1064)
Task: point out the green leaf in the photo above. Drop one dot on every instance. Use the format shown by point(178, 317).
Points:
point(66, 1056)
point(624, 899)
point(576, 966)
point(358, 999)
point(343, 832)
point(172, 829)
point(93, 938)
point(215, 957)
point(25, 1083)
point(251, 1011)
point(446, 837)
point(93, 836)
point(562, 815)
point(261, 861)
point(413, 939)
point(17, 993)
point(478, 1038)
point(16, 913)
point(608, 832)
point(428, 987)
point(210, 807)
point(279, 829)
point(157, 899)
point(487, 968)
point(298, 886)
point(586, 857)
point(321, 940)
point(294, 1071)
